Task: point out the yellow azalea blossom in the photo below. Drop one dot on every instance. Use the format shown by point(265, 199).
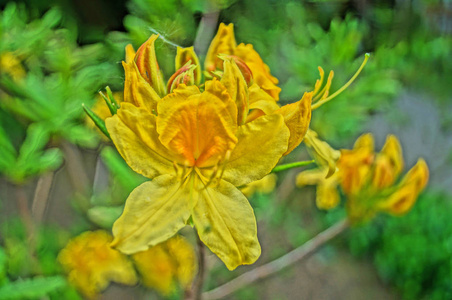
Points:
point(369, 180)
point(265, 186)
point(91, 263)
point(196, 155)
point(198, 144)
point(167, 265)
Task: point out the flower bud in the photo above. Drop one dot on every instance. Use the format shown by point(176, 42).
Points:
point(185, 75)
point(148, 67)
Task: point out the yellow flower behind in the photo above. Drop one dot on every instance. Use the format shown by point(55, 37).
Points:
point(368, 180)
point(167, 265)
point(11, 65)
point(265, 186)
point(91, 263)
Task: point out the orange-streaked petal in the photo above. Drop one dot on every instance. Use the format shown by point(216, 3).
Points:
point(146, 61)
point(133, 132)
point(297, 117)
point(225, 222)
point(223, 43)
point(261, 143)
point(155, 211)
point(199, 128)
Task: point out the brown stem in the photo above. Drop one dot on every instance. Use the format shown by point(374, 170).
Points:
point(77, 173)
point(206, 31)
point(41, 197)
point(74, 162)
point(24, 211)
point(195, 292)
point(278, 264)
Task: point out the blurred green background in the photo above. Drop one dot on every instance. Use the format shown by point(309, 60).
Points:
point(57, 171)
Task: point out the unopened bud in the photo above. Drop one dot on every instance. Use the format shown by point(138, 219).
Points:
point(184, 75)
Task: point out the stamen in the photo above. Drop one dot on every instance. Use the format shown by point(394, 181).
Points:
point(319, 82)
point(323, 101)
point(326, 89)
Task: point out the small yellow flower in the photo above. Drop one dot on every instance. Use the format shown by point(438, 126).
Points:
point(167, 265)
point(369, 180)
point(265, 186)
point(91, 264)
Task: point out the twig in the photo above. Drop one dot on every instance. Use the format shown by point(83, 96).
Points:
point(24, 211)
point(206, 31)
point(196, 289)
point(277, 265)
point(74, 162)
point(41, 197)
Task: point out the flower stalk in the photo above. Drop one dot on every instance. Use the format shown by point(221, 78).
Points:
point(292, 165)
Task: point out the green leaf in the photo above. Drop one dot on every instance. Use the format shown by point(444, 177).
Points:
point(31, 288)
point(97, 120)
point(3, 259)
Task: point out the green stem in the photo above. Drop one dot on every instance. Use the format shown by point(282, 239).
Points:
point(292, 165)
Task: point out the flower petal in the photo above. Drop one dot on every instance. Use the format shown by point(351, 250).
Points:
point(322, 152)
point(155, 211)
point(237, 88)
point(185, 55)
point(133, 132)
point(146, 61)
point(327, 196)
point(225, 222)
point(261, 143)
point(199, 128)
point(136, 90)
point(261, 72)
point(297, 117)
point(393, 151)
point(223, 43)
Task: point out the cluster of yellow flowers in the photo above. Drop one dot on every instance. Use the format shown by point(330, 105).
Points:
point(368, 180)
point(199, 141)
point(91, 264)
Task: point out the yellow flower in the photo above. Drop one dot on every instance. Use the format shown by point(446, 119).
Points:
point(91, 264)
point(368, 180)
point(327, 196)
point(198, 144)
point(196, 155)
point(265, 186)
point(167, 265)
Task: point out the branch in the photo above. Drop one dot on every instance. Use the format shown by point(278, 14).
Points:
point(195, 292)
point(277, 265)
